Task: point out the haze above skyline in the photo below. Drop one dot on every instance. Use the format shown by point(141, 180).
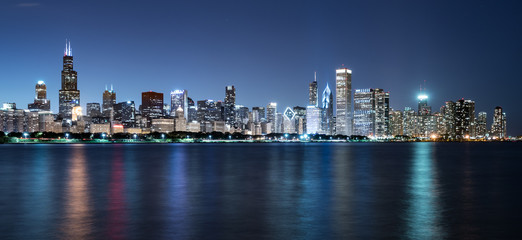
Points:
point(269, 50)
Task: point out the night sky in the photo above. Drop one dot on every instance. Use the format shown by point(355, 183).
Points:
point(268, 49)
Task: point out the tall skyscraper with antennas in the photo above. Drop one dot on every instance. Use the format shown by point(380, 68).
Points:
point(69, 95)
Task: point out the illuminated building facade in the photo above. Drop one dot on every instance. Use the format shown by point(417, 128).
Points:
point(179, 98)
point(313, 120)
point(93, 110)
point(288, 121)
point(230, 105)
point(258, 114)
point(498, 128)
point(151, 106)
point(382, 112)
point(125, 112)
point(465, 118)
point(312, 93)
point(300, 119)
point(41, 103)
point(208, 110)
point(364, 112)
point(271, 112)
point(343, 95)
point(69, 95)
point(481, 129)
point(109, 99)
point(396, 121)
point(327, 123)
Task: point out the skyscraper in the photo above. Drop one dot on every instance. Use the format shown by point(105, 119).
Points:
point(327, 123)
point(271, 112)
point(396, 127)
point(69, 95)
point(41, 103)
point(151, 106)
point(125, 112)
point(465, 118)
point(343, 95)
point(481, 126)
point(364, 112)
point(179, 98)
point(498, 128)
point(258, 114)
point(93, 110)
point(109, 99)
point(312, 94)
point(382, 112)
point(313, 119)
point(230, 105)
point(423, 108)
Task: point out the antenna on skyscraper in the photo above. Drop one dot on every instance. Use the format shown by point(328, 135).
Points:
point(105, 87)
point(315, 76)
point(111, 87)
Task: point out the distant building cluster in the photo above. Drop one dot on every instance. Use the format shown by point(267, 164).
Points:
point(361, 112)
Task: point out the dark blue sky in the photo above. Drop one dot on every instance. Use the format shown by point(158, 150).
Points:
point(268, 49)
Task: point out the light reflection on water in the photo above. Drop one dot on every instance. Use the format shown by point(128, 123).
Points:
point(257, 191)
point(423, 217)
point(77, 222)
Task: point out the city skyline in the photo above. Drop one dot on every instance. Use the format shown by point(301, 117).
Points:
point(268, 85)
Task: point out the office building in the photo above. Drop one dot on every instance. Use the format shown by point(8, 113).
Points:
point(312, 93)
point(179, 98)
point(481, 125)
point(343, 95)
point(109, 99)
point(230, 106)
point(151, 106)
point(41, 103)
point(363, 112)
point(69, 95)
point(93, 110)
point(124, 112)
point(327, 123)
point(313, 120)
point(382, 112)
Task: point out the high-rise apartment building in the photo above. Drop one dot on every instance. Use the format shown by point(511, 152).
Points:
point(396, 121)
point(481, 129)
point(343, 95)
point(465, 118)
point(69, 95)
point(498, 128)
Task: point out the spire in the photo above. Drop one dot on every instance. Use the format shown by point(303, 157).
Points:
point(105, 87)
point(111, 88)
point(68, 49)
point(315, 76)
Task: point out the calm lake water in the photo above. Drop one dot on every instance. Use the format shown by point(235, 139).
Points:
point(261, 191)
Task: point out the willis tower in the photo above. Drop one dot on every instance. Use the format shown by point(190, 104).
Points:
point(69, 94)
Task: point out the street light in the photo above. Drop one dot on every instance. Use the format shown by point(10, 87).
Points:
point(26, 134)
point(103, 135)
point(66, 136)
